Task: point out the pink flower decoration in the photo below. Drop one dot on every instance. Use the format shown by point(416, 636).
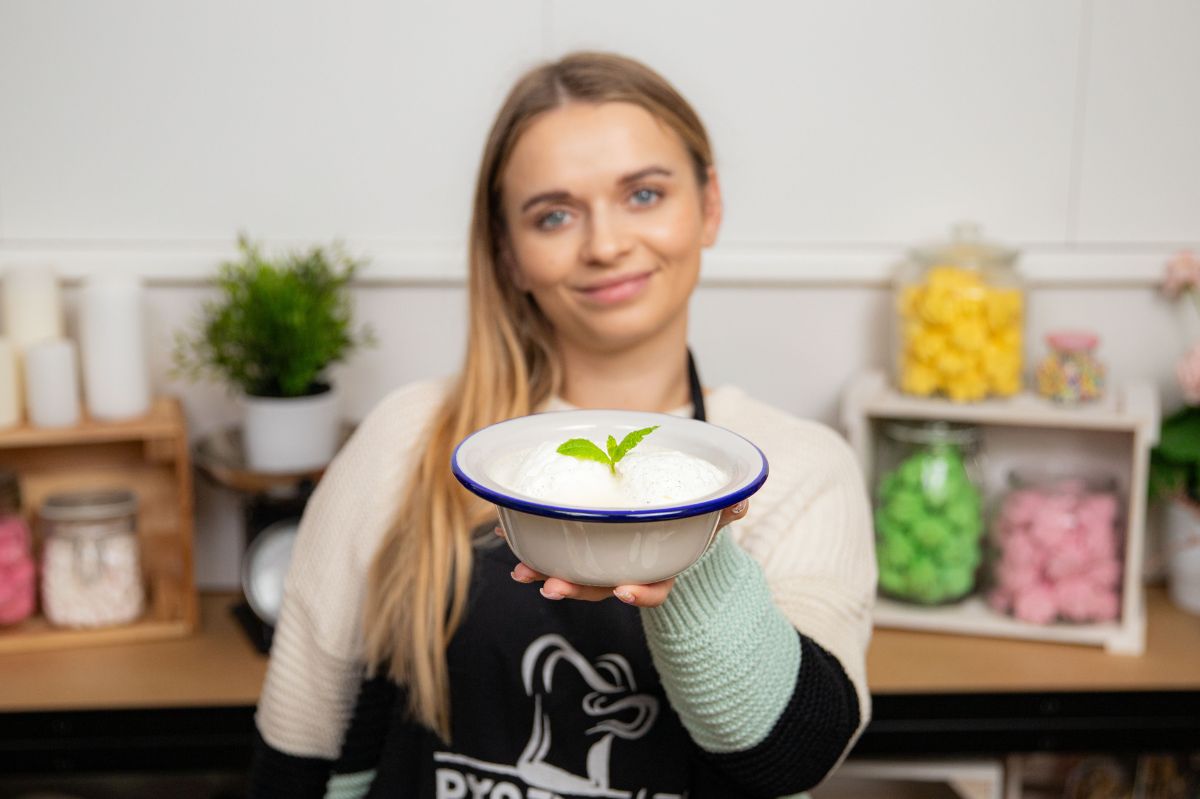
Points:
point(1183, 274)
point(1187, 371)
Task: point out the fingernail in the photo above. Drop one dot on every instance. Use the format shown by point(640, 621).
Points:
point(625, 596)
point(499, 530)
point(513, 574)
point(739, 508)
point(550, 594)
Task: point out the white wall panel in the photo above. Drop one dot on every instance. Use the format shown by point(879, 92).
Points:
point(1140, 174)
point(865, 121)
point(148, 120)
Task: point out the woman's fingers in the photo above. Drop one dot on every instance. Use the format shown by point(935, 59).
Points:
point(524, 574)
point(554, 588)
point(734, 513)
point(643, 596)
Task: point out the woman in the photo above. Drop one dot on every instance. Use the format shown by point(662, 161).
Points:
point(411, 658)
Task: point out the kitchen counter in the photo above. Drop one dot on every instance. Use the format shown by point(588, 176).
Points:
point(189, 703)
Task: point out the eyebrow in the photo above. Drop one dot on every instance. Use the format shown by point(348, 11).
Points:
point(559, 195)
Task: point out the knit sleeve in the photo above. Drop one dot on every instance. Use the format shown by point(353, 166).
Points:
point(363, 744)
point(315, 667)
point(810, 541)
point(770, 709)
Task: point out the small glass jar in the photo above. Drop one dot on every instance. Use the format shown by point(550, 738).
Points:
point(16, 554)
point(928, 511)
point(91, 570)
point(1070, 372)
point(960, 311)
point(1056, 545)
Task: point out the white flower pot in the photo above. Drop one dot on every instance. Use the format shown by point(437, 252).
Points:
point(290, 434)
point(1182, 547)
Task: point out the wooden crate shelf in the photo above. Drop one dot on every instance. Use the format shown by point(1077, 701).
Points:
point(149, 456)
point(1114, 435)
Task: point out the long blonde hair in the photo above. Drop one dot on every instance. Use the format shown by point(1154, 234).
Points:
point(420, 576)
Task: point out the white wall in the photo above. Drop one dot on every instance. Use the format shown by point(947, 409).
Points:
point(142, 135)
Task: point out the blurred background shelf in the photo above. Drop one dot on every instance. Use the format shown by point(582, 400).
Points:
point(148, 456)
point(1114, 435)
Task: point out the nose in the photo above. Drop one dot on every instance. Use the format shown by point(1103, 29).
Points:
point(607, 240)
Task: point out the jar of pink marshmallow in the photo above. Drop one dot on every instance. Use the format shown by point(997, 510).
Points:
point(1056, 548)
point(17, 569)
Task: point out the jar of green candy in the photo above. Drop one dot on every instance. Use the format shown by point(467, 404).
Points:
point(928, 511)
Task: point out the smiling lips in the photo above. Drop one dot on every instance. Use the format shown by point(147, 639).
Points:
point(611, 292)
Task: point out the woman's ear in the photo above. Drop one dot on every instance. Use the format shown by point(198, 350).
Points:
point(710, 206)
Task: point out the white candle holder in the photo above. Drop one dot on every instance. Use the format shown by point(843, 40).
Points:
point(112, 341)
point(51, 383)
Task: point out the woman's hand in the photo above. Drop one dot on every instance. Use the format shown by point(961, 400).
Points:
point(644, 596)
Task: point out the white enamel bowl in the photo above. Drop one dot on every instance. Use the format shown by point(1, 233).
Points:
point(609, 546)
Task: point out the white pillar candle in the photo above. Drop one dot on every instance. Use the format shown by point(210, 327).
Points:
point(10, 385)
point(116, 382)
point(32, 305)
point(51, 384)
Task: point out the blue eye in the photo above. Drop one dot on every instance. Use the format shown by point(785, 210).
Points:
point(645, 196)
point(552, 220)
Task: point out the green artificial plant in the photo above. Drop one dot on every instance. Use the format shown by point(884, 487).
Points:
point(277, 324)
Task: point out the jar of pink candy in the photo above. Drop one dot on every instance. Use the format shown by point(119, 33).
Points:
point(1056, 545)
point(16, 554)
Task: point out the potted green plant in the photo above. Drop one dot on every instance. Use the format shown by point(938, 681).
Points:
point(271, 334)
point(1175, 462)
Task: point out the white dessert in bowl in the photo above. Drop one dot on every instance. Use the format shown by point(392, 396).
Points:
point(644, 520)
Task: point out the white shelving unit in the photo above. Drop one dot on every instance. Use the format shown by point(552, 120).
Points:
point(1113, 436)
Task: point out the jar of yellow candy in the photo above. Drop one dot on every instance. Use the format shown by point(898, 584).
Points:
point(960, 310)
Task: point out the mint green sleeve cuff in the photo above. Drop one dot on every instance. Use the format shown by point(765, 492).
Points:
point(727, 657)
point(349, 786)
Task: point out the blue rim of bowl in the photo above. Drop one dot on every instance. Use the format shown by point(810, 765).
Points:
point(573, 513)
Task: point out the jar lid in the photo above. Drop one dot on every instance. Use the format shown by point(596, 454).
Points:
point(933, 432)
point(965, 248)
point(1072, 340)
point(89, 506)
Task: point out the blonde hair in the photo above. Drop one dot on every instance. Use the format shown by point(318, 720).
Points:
point(420, 576)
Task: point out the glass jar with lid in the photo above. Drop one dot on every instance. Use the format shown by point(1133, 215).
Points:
point(91, 565)
point(1056, 547)
point(960, 310)
point(16, 554)
point(1070, 372)
point(928, 511)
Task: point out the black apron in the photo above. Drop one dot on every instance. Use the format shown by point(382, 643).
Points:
point(552, 699)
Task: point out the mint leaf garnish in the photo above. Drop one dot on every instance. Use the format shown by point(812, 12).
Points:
point(587, 451)
point(630, 441)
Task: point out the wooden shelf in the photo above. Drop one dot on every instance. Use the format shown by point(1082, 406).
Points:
point(149, 456)
point(1113, 436)
point(162, 422)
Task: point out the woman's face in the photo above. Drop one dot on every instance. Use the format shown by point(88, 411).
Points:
point(606, 221)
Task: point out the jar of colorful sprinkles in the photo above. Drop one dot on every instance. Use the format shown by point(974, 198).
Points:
point(1070, 372)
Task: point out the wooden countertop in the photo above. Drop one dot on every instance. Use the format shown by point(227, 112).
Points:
point(215, 667)
point(907, 662)
point(218, 666)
